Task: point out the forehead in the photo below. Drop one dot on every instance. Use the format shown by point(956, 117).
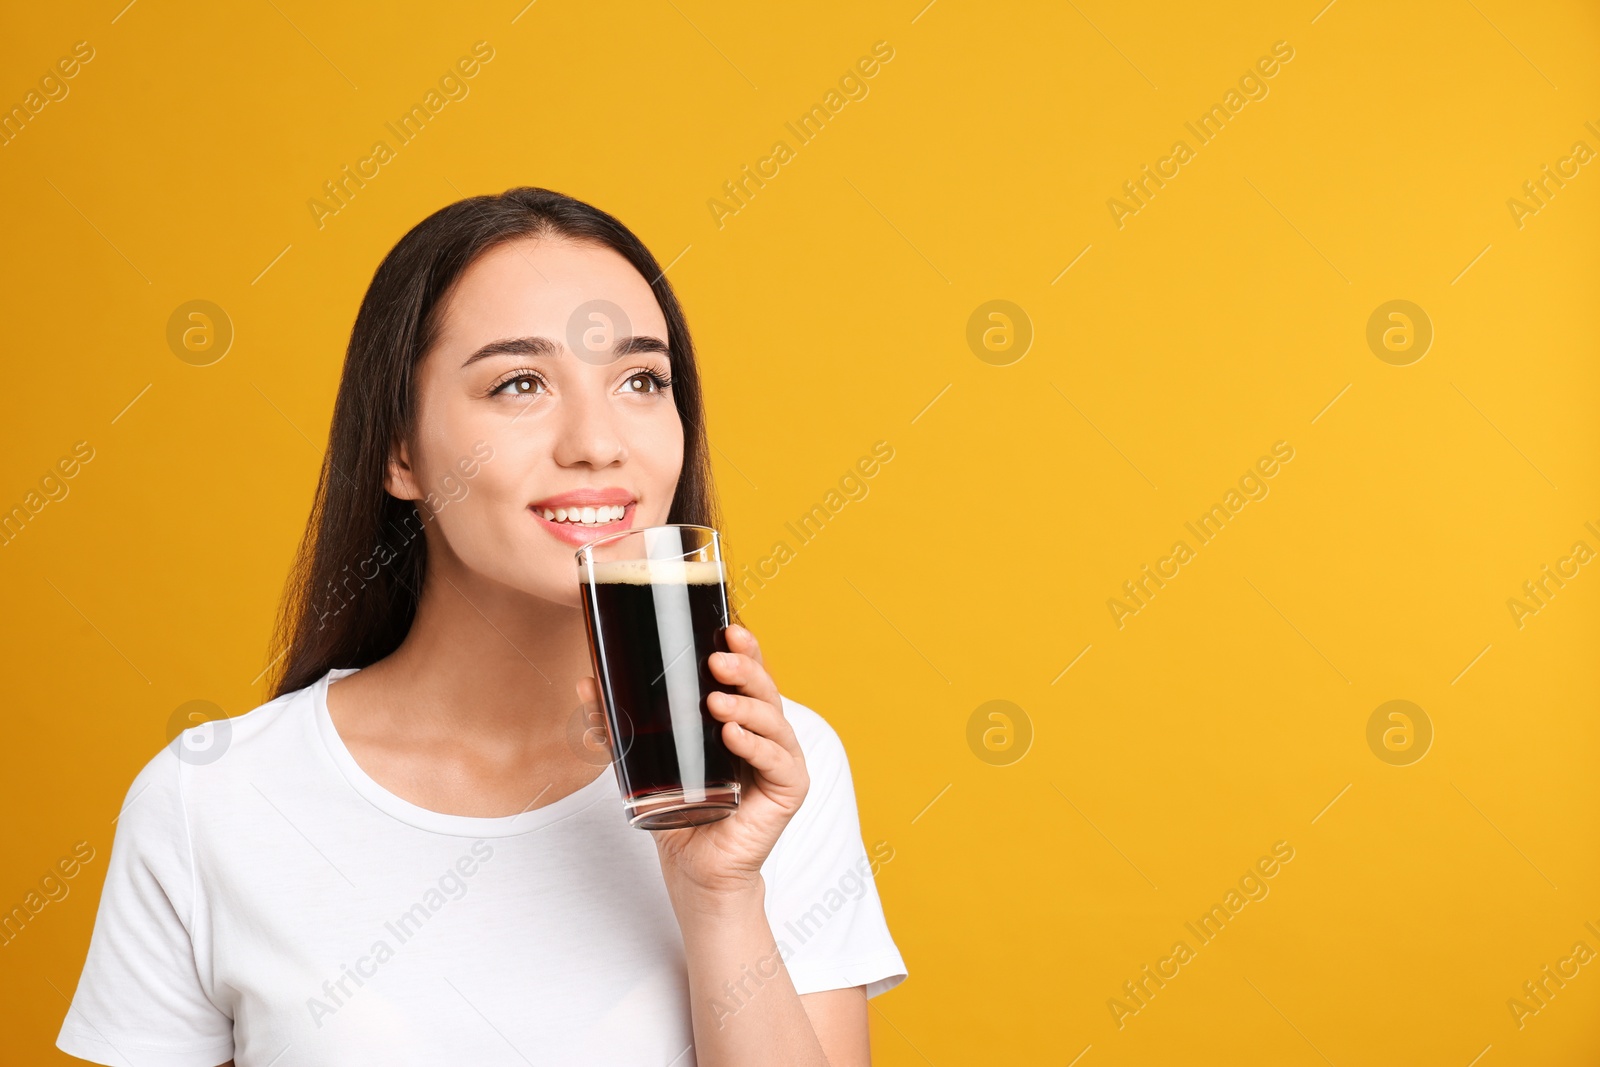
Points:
point(543, 287)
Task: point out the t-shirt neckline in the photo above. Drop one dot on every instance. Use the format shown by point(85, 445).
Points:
point(602, 787)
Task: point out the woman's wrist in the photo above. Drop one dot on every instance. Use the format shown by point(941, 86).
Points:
point(697, 903)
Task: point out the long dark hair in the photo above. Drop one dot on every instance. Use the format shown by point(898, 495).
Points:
point(353, 588)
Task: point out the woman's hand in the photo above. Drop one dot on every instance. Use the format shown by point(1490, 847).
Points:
point(721, 861)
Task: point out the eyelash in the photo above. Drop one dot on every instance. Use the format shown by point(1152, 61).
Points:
point(661, 382)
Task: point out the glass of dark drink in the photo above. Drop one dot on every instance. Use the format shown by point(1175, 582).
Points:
point(656, 606)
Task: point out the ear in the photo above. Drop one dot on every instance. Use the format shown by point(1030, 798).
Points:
point(399, 480)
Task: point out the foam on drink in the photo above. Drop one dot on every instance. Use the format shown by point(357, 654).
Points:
point(652, 572)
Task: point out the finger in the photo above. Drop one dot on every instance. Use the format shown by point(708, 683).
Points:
point(756, 716)
point(742, 640)
point(588, 691)
point(771, 761)
point(747, 675)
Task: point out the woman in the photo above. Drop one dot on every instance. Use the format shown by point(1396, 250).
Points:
point(410, 854)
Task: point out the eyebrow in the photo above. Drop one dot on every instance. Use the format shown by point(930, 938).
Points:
point(543, 346)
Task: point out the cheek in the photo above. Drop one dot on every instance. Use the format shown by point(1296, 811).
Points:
point(477, 525)
point(660, 463)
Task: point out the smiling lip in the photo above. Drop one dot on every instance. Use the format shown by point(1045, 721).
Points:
point(576, 534)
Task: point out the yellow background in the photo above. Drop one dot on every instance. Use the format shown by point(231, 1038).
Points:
point(1223, 317)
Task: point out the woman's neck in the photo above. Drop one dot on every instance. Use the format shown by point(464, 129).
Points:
point(484, 663)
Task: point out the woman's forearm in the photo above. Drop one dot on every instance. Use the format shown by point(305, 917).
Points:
point(744, 1007)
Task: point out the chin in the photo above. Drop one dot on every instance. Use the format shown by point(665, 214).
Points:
point(553, 582)
point(565, 594)
point(568, 597)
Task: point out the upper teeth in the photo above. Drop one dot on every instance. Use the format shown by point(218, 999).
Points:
point(587, 516)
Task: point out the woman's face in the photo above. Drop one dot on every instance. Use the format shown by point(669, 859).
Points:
point(550, 361)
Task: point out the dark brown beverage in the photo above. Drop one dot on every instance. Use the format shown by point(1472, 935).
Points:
point(652, 626)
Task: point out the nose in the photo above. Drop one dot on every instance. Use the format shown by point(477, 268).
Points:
point(590, 434)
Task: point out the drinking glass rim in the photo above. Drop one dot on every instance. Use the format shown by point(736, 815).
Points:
point(578, 555)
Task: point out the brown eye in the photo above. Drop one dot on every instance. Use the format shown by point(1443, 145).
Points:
point(646, 382)
point(521, 385)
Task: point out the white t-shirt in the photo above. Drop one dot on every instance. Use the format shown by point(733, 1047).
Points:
point(276, 906)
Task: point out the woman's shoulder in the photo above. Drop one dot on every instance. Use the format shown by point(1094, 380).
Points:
point(256, 733)
point(239, 743)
